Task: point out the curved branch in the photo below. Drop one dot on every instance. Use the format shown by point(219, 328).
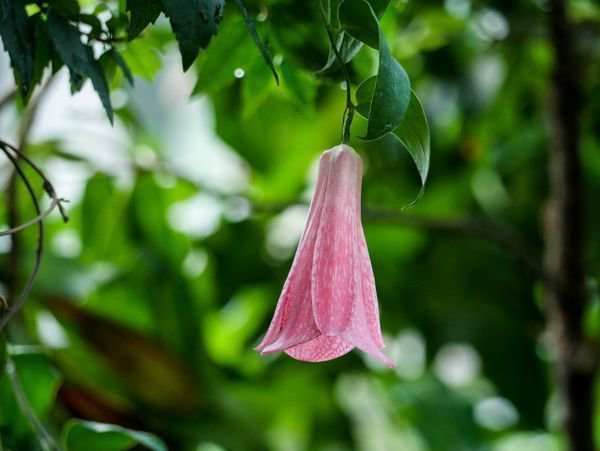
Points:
point(40, 246)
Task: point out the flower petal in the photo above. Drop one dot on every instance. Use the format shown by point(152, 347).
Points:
point(369, 293)
point(293, 321)
point(320, 349)
point(363, 332)
point(336, 257)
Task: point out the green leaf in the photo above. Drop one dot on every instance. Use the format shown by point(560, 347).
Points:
point(391, 96)
point(229, 51)
point(79, 435)
point(79, 58)
point(42, 54)
point(391, 92)
point(257, 41)
point(194, 23)
point(413, 131)
point(347, 46)
point(16, 33)
point(39, 381)
point(143, 13)
point(358, 19)
point(122, 65)
point(141, 58)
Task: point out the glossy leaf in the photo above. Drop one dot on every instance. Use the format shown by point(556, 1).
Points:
point(391, 93)
point(79, 435)
point(194, 23)
point(358, 19)
point(413, 131)
point(347, 46)
point(143, 13)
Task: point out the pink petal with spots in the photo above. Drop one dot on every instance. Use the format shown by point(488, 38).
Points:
point(329, 303)
point(293, 322)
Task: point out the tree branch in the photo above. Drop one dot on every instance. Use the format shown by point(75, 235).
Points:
point(565, 294)
point(506, 238)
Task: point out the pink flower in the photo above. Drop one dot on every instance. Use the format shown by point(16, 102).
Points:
point(329, 304)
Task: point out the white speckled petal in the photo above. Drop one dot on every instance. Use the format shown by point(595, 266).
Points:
point(329, 301)
point(293, 321)
point(335, 257)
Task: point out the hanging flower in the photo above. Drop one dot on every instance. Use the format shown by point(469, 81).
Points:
point(329, 304)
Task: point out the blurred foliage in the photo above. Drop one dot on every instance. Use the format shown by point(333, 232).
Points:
point(151, 298)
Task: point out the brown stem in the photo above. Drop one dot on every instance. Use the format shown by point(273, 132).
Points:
point(565, 293)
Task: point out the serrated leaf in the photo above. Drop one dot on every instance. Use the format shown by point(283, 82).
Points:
point(79, 58)
point(79, 435)
point(42, 53)
point(143, 13)
point(194, 23)
point(16, 34)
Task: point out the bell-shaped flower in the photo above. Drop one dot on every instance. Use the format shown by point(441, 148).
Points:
point(328, 305)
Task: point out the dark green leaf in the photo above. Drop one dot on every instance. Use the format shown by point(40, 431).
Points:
point(42, 53)
point(413, 131)
point(65, 8)
point(194, 23)
point(122, 65)
point(358, 19)
point(229, 51)
point(79, 58)
point(257, 41)
point(16, 33)
point(391, 96)
point(79, 435)
point(143, 13)
point(364, 96)
point(347, 46)
point(379, 6)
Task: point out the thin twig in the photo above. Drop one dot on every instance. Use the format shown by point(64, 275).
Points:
point(14, 308)
point(48, 187)
point(46, 441)
point(350, 107)
point(55, 202)
point(503, 236)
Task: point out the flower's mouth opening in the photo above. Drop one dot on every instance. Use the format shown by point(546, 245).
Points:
point(320, 349)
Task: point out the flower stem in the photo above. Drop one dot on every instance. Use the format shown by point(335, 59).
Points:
point(349, 111)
